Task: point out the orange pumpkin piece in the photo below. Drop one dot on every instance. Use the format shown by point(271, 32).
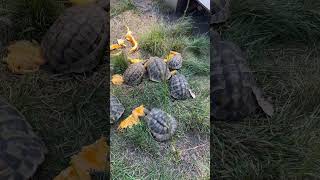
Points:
point(132, 40)
point(117, 79)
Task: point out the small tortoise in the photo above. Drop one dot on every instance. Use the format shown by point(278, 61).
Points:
point(161, 124)
point(179, 87)
point(157, 69)
point(21, 150)
point(176, 62)
point(134, 73)
point(77, 40)
point(116, 109)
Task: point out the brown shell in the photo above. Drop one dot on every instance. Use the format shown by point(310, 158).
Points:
point(234, 91)
point(176, 62)
point(157, 69)
point(21, 150)
point(77, 41)
point(179, 87)
point(161, 124)
point(134, 74)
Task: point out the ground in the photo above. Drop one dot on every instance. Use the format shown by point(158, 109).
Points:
point(134, 153)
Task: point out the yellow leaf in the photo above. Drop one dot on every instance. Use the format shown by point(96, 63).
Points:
point(139, 111)
point(117, 79)
point(132, 40)
point(121, 42)
point(133, 61)
point(129, 122)
point(115, 46)
point(24, 57)
point(91, 158)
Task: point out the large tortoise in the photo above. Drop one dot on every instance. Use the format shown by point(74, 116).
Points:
point(157, 69)
point(234, 91)
point(21, 150)
point(161, 124)
point(77, 41)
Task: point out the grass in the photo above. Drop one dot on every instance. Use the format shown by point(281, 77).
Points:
point(121, 6)
point(281, 41)
point(134, 153)
point(175, 36)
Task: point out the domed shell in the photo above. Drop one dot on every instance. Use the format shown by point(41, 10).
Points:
point(77, 40)
point(21, 150)
point(161, 124)
point(116, 109)
point(179, 87)
point(157, 69)
point(235, 93)
point(176, 62)
point(134, 73)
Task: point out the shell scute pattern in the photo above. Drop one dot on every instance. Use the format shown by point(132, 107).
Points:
point(116, 109)
point(21, 150)
point(235, 93)
point(76, 41)
point(161, 124)
point(179, 87)
point(176, 62)
point(157, 69)
point(134, 73)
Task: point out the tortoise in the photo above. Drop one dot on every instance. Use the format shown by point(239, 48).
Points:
point(77, 40)
point(21, 150)
point(116, 109)
point(220, 11)
point(176, 62)
point(134, 73)
point(161, 124)
point(179, 87)
point(157, 69)
point(234, 91)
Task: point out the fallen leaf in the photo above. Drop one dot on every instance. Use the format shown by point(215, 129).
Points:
point(24, 57)
point(132, 40)
point(139, 111)
point(117, 79)
point(133, 61)
point(91, 158)
point(129, 122)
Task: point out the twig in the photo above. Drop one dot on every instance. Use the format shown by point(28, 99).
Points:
point(193, 148)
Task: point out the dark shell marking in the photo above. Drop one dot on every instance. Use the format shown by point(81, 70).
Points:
point(234, 91)
point(161, 124)
point(179, 87)
point(21, 150)
point(77, 41)
point(176, 62)
point(116, 109)
point(158, 70)
point(220, 11)
point(134, 74)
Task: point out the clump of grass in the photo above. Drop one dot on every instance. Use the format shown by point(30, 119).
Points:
point(175, 36)
point(32, 18)
point(121, 6)
point(254, 23)
point(140, 136)
point(119, 63)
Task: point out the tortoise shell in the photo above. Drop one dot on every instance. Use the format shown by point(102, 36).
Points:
point(77, 40)
point(179, 87)
point(234, 90)
point(220, 11)
point(161, 124)
point(157, 69)
point(176, 62)
point(134, 73)
point(116, 109)
point(21, 150)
